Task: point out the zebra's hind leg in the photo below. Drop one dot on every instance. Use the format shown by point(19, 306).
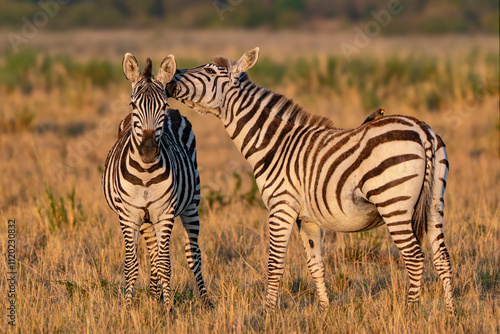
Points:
point(310, 234)
point(148, 232)
point(163, 229)
point(435, 234)
point(131, 267)
point(399, 224)
point(441, 260)
point(191, 223)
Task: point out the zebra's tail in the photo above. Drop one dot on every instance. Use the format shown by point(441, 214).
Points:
point(423, 206)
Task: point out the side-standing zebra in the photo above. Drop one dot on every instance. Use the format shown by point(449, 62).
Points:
point(390, 170)
point(151, 176)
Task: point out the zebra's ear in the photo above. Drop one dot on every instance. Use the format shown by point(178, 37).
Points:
point(131, 68)
point(167, 70)
point(246, 62)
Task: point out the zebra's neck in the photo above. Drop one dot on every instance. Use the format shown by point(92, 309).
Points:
point(258, 121)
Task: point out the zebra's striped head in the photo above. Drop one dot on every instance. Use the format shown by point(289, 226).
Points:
point(205, 88)
point(148, 101)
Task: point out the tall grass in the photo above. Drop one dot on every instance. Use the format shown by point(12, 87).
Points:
point(69, 245)
point(30, 70)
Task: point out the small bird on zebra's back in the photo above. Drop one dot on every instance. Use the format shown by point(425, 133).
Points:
point(374, 115)
point(390, 171)
point(151, 176)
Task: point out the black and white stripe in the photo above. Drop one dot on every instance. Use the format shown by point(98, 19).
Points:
point(390, 170)
point(151, 176)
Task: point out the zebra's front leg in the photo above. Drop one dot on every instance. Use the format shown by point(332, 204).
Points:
point(281, 220)
point(148, 232)
point(163, 231)
point(191, 223)
point(131, 267)
point(310, 234)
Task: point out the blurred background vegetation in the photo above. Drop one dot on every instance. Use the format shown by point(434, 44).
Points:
point(424, 82)
point(423, 16)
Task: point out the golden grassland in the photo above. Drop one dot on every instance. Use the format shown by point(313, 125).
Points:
point(70, 251)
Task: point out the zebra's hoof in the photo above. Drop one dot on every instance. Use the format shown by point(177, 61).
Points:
point(452, 311)
point(270, 311)
point(128, 300)
point(207, 303)
point(170, 313)
point(155, 296)
point(323, 307)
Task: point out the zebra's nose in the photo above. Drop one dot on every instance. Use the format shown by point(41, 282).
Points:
point(171, 89)
point(149, 149)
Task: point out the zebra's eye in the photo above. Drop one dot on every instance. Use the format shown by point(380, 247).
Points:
point(133, 105)
point(209, 70)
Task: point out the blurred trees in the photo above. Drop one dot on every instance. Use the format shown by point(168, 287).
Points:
point(421, 16)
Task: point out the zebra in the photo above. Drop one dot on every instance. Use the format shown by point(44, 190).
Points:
point(151, 176)
point(391, 170)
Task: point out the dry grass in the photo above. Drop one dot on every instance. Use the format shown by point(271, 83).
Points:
point(70, 252)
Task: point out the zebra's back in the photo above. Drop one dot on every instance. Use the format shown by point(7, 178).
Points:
point(341, 175)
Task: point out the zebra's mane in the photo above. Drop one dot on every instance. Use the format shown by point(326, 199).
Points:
point(125, 125)
point(147, 73)
point(293, 111)
point(223, 62)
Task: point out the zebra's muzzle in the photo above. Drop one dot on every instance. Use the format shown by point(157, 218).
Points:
point(149, 149)
point(171, 89)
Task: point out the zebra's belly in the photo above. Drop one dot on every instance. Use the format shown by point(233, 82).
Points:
point(365, 218)
point(347, 203)
point(356, 214)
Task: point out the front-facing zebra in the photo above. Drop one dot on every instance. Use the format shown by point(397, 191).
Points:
point(390, 170)
point(151, 176)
